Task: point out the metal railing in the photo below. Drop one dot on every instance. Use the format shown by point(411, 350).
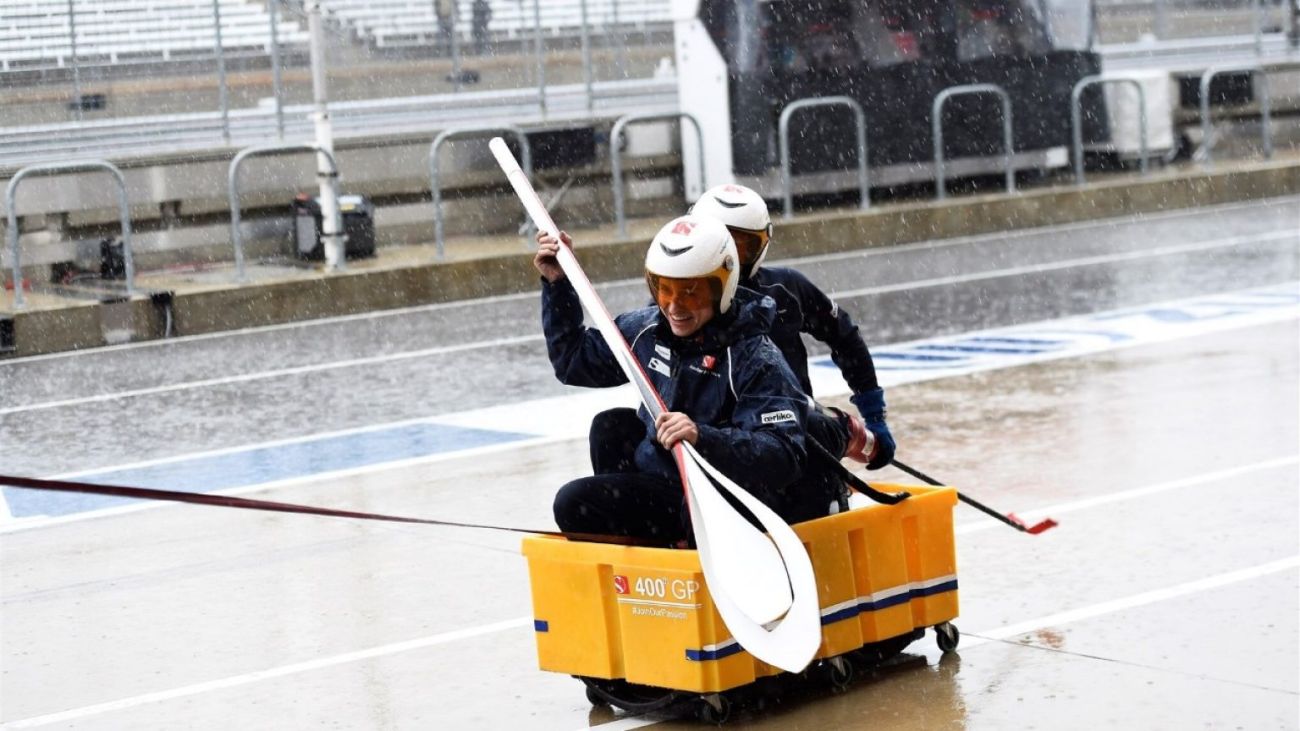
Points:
point(936, 123)
point(783, 126)
point(435, 184)
point(1076, 120)
point(616, 157)
point(233, 190)
point(1207, 129)
point(123, 212)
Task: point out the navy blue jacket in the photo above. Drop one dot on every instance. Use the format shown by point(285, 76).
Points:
point(729, 378)
point(803, 308)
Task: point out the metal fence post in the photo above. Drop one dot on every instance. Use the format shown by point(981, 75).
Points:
point(1207, 129)
point(936, 125)
point(541, 56)
point(783, 126)
point(435, 183)
point(76, 65)
point(616, 156)
point(1076, 121)
point(455, 46)
point(586, 52)
point(232, 190)
point(123, 212)
point(223, 90)
point(277, 83)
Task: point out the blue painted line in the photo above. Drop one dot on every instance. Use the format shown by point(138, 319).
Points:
point(263, 464)
point(1111, 335)
point(897, 355)
point(1019, 341)
point(541, 625)
point(984, 349)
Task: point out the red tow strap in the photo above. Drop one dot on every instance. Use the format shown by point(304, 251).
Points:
point(228, 501)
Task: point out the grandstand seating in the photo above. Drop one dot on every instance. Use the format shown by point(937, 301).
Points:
point(34, 33)
point(390, 23)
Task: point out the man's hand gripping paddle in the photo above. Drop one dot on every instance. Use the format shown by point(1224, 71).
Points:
point(756, 582)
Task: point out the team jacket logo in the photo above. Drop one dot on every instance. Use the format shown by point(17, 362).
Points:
point(776, 417)
point(663, 351)
point(659, 366)
point(620, 584)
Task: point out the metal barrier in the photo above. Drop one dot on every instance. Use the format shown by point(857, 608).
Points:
point(783, 127)
point(123, 212)
point(435, 185)
point(233, 190)
point(1207, 130)
point(936, 123)
point(616, 156)
point(1076, 120)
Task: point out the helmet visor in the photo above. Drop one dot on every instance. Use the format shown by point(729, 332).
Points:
point(749, 244)
point(692, 293)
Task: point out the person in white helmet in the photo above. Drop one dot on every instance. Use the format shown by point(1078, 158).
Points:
point(801, 308)
point(728, 390)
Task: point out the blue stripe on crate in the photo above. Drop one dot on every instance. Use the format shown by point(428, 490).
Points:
point(718, 654)
point(541, 625)
point(838, 616)
point(887, 602)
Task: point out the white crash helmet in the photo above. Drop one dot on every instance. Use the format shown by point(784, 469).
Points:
point(691, 247)
point(745, 213)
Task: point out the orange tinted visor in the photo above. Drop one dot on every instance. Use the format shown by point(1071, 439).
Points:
point(749, 244)
point(692, 293)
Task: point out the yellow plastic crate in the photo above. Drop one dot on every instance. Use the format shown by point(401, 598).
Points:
point(645, 615)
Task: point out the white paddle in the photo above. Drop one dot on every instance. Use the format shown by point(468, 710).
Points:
point(754, 581)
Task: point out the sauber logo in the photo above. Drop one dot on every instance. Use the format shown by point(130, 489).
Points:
point(620, 584)
point(774, 417)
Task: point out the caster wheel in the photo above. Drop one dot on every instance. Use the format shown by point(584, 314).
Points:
point(947, 636)
point(839, 673)
point(715, 709)
point(594, 698)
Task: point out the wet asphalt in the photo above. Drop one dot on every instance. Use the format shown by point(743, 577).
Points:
point(1169, 597)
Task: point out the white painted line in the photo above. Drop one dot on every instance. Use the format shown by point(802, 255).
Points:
point(878, 251)
point(279, 373)
point(1032, 516)
point(302, 667)
point(518, 340)
point(1132, 602)
point(568, 417)
point(470, 632)
point(975, 639)
point(1154, 252)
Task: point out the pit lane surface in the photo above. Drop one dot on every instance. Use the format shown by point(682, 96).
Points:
point(1167, 598)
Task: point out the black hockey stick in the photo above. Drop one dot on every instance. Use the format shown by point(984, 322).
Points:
point(1010, 518)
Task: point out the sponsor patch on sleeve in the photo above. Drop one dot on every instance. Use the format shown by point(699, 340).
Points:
point(776, 417)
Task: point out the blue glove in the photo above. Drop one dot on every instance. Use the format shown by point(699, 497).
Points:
point(872, 406)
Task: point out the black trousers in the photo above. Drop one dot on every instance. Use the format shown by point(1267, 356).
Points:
point(634, 504)
point(619, 500)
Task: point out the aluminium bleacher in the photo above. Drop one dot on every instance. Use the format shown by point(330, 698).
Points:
point(387, 23)
point(34, 34)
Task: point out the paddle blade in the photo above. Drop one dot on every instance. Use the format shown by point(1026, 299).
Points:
point(736, 548)
point(791, 642)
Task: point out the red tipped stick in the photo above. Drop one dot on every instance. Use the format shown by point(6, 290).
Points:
point(1010, 518)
